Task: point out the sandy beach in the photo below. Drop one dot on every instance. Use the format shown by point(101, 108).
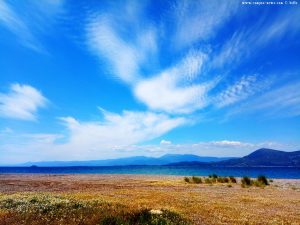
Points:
point(278, 203)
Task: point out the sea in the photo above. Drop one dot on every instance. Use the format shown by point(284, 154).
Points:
point(270, 172)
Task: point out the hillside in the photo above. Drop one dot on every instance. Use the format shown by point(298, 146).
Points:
point(266, 157)
point(259, 158)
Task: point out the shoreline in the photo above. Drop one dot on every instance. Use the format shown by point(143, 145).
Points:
point(131, 174)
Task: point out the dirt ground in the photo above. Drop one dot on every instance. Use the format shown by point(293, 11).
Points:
point(214, 204)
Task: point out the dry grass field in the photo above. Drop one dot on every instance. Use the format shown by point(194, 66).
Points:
point(87, 199)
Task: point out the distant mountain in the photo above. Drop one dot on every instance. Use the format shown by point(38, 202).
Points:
point(136, 160)
point(266, 157)
point(259, 158)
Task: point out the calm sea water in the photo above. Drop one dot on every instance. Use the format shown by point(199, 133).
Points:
point(272, 172)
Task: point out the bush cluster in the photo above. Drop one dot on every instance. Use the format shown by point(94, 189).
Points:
point(260, 181)
point(211, 179)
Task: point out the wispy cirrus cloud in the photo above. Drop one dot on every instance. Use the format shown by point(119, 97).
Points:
point(200, 20)
point(129, 57)
point(245, 42)
point(15, 24)
point(124, 58)
point(241, 90)
point(21, 102)
point(29, 27)
point(283, 101)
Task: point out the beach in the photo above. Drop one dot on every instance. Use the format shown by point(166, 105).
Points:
point(278, 203)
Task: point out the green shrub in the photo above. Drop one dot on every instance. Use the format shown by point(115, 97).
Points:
point(215, 176)
point(246, 181)
point(221, 179)
point(145, 217)
point(263, 180)
point(226, 180)
point(256, 183)
point(186, 179)
point(208, 181)
point(270, 180)
point(232, 179)
point(197, 180)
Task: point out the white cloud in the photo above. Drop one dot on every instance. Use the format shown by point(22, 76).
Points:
point(171, 91)
point(91, 139)
point(245, 42)
point(118, 130)
point(15, 24)
point(241, 90)
point(283, 101)
point(21, 102)
point(124, 39)
point(227, 143)
point(48, 147)
point(219, 148)
point(286, 22)
point(123, 57)
point(199, 20)
point(28, 26)
point(165, 142)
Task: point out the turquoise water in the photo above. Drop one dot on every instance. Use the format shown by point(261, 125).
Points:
point(272, 172)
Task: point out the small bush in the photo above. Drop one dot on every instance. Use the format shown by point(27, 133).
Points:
point(246, 181)
point(197, 180)
point(145, 217)
point(256, 183)
point(270, 180)
point(263, 180)
point(220, 180)
point(186, 179)
point(229, 185)
point(208, 181)
point(226, 180)
point(232, 179)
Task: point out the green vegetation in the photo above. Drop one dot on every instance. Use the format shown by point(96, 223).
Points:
point(261, 181)
point(52, 209)
point(186, 179)
point(232, 179)
point(145, 217)
point(215, 176)
point(211, 179)
point(197, 180)
point(246, 181)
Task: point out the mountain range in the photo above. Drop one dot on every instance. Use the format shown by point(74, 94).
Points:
point(259, 158)
point(136, 160)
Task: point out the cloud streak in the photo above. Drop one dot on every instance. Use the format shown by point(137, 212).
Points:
point(28, 28)
point(92, 139)
point(21, 102)
point(282, 101)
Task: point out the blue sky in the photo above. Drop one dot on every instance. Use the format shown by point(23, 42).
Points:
point(106, 79)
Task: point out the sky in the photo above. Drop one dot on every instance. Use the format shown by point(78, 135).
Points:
point(86, 80)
